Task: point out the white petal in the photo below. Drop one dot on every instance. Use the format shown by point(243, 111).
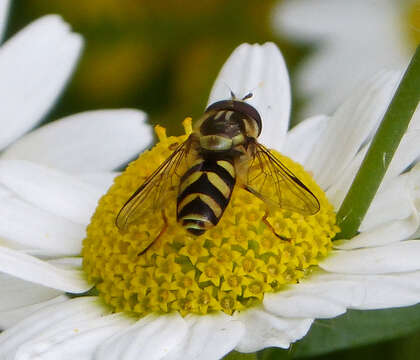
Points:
point(350, 127)
point(5, 192)
point(408, 151)
point(394, 201)
point(338, 191)
point(351, 48)
point(304, 137)
point(387, 233)
point(31, 269)
point(4, 9)
point(406, 154)
point(209, 337)
point(12, 317)
point(259, 69)
point(392, 216)
point(49, 319)
point(388, 291)
point(292, 304)
point(415, 120)
point(265, 330)
point(17, 293)
point(91, 141)
point(378, 260)
point(51, 190)
point(78, 340)
point(311, 298)
point(101, 180)
point(74, 263)
point(152, 337)
point(28, 228)
point(316, 296)
point(348, 291)
point(34, 67)
point(322, 294)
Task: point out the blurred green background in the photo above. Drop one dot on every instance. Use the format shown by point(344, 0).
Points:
point(162, 57)
point(158, 56)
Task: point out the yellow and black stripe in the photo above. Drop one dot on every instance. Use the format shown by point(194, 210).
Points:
point(204, 193)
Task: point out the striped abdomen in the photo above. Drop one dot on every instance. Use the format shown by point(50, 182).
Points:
point(204, 193)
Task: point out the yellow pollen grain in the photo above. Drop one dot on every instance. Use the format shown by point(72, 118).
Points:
point(272, 270)
point(194, 249)
point(223, 256)
point(234, 280)
point(186, 282)
point(204, 299)
point(256, 288)
point(228, 268)
point(248, 265)
point(228, 303)
point(211, 271)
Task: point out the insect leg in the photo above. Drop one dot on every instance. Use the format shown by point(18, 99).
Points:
point(267, 223)
point(164, 228)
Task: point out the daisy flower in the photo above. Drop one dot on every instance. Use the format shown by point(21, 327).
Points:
point(354, 40)
point(35, 65)
point(237, 286)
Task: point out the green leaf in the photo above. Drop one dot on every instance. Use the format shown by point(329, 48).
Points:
point(381, 151)
point(274, 354)
point(234, 355)
point(353, 329)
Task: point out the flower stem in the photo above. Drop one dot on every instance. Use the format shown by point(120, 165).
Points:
point(381, 151)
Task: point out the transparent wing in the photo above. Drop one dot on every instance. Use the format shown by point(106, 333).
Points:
point(271, 181)
point(150, 196)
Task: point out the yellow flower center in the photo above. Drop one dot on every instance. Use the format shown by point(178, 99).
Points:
point(228, 268)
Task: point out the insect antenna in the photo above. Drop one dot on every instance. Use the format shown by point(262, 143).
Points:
point(232, 94)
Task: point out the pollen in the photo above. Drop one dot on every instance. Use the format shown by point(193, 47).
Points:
point(229, 268)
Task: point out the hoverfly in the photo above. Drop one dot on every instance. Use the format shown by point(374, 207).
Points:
point(221, 153)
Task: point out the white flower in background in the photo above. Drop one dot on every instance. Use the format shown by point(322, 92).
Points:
point(354, 39)
point(47, 203)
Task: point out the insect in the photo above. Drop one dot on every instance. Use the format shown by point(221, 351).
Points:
point(222, 152)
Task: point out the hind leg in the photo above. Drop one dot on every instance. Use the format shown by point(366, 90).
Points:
point(162, 231)
point(267, 223)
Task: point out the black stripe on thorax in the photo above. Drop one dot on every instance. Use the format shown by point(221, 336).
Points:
point(204, 186)
point(212, 166)
point(198, 206)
